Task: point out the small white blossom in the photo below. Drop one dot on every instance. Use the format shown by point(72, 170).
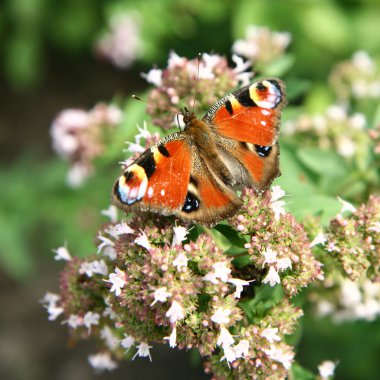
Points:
point(375, 227)
point(243, 76)
point(118, 280)
point(276, 193)
point(229, 354)
point(102, 361)
point(278, 354)
point(225, 338)
point(94, 267)
point(143, 351)
point(153, 76)
point(242, 349)
point(283, 264)
point(272, 277)
point(127, 342)
point(105, 242)
point(346, 206)
point(270, 256)
point(160, 295)
point(221, 272)
point(176, 312)
point(239, 285)
point(110, 212)
point(54, 312)
point(221, 315)
point(51, 299)
point(326, 369)
point(180, 261)
point(91, 318)
point(119, 229)
point(179, 235)
point(75, 321)
point(78, 173)
point(109, 337)
point(172, 338)
point(319, 239)
point(270, 334)
point(143, 241)
point(62, 253)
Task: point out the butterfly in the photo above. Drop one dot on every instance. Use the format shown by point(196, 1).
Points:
point(193, 174)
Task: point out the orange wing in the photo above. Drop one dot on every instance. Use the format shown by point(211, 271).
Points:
point(158, 180)
point(250, 114)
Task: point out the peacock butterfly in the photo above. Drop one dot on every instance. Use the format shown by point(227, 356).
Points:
point(193, 174)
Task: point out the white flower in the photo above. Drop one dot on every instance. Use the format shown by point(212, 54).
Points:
point(221, 271)
point(172, 338)
point(54, 312)
point(283, 264)
point(346, 146)
point(239, 285)
point(363, 62)
point(270, 334)
point(319, 239)
point(143, 241)
point(109, 338)
point(143, 351)
point(127, 342)
point(326, 369)
point(153, 76)
point(105, 242)
point(160, 295)
point(91, 318)
point(175, 60)
point(94, 267)
point(225, 338)
point(276, 193)
point(50, 299)
point(180, 261)
point(242, 348)
point(176, 312)
point(346, 206)
point(221, 315)
point(102, 361)
point(229, 354)
point(272, 277)
point(110, 212)
point(179, 235)
point(75, 321)
point(119, 229)
point(118, 280)
point(270, 256)
point(278, 354)
point(62, 254)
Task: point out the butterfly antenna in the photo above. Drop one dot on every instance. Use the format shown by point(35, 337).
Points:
point(196, 81)
point(155, 105)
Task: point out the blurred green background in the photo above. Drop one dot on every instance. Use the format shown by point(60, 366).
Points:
point(50, 62)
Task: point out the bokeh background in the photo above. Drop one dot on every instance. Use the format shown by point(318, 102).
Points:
point(75, 54)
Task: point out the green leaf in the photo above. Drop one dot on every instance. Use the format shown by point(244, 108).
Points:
point(299, 373)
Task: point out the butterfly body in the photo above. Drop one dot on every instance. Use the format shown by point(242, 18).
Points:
point(193, 174)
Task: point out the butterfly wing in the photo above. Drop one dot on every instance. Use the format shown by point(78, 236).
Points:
point(246, 124)
point(157, 181)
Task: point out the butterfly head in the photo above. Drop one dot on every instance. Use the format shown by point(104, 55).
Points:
point(188, 116)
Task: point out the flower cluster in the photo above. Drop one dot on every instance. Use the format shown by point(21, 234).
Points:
point(262, 46)
point(78, 136)
point(346, 300)
point(358, 78)
point(149, 284)
point(354, 241)
point(336, 130)
point(276, 242)
point(210, 75)
point(265, 354)
point(121, 45)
